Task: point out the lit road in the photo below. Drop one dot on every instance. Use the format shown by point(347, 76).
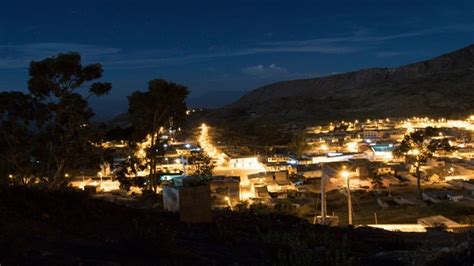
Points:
point(225, 168)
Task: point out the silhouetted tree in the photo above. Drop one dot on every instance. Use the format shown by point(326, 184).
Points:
point(17, 112)
point(151, 110)
point(127, 173)
point(268, 135)
point(298, 144)
point(417, 147)
point(64, 131)
point(203, 165)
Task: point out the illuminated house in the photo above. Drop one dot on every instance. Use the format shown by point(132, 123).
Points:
point(273, 181)
point(278, 158)
point(378, 152)
point(190, 198)
point(226, 186)
point(244, 162)
point(283, 166)
point(372, 134)
point(335, 157)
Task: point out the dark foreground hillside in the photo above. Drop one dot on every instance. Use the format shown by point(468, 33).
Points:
point(69, 228)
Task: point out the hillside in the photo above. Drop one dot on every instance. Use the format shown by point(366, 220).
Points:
point(213, 99)
point(442, 86)
point(68, 227)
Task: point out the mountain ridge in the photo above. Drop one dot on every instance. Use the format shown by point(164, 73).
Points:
point(441, 86)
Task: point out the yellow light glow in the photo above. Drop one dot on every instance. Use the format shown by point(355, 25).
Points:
point(345, 174)
point(414, 152)
point(352, 146)
point(208, 147)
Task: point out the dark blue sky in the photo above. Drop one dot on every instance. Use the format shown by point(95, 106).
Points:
point(225, 47)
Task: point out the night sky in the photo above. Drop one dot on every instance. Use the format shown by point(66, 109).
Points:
point(224, 48)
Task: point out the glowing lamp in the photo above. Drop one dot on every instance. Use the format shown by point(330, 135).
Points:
point(415, 152)
point(345, 174)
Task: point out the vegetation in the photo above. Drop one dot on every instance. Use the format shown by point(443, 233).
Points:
point(68, 227)
point(203, 163)
point(127, 174)
point(151, 110)
point(16, 145)
point(417, 147)
point(47, 131)
point(298, 145)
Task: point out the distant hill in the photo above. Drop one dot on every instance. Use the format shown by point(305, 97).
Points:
point(121, 120)
point(214, 99)
point(442, 86)
point(210, 99)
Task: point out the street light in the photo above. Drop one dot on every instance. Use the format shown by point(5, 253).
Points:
point(414, 152)
point(100, 175)
point(83, 183)
point(228, 202)
point(345, 175)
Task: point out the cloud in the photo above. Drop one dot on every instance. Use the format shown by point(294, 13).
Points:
point(264, 71)
point(363, 36)
point(321, 49)
point(144, 59)
point(358, 41)
point(274, 72)
point(20, 55)
point(390, 53)
point(52, 47)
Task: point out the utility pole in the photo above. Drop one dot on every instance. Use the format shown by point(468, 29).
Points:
point(349, 201)
point(171, 125)
point(323, 199)
point(184, 165)
point(100, 175)
point(83, 182)
point(346, 175)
